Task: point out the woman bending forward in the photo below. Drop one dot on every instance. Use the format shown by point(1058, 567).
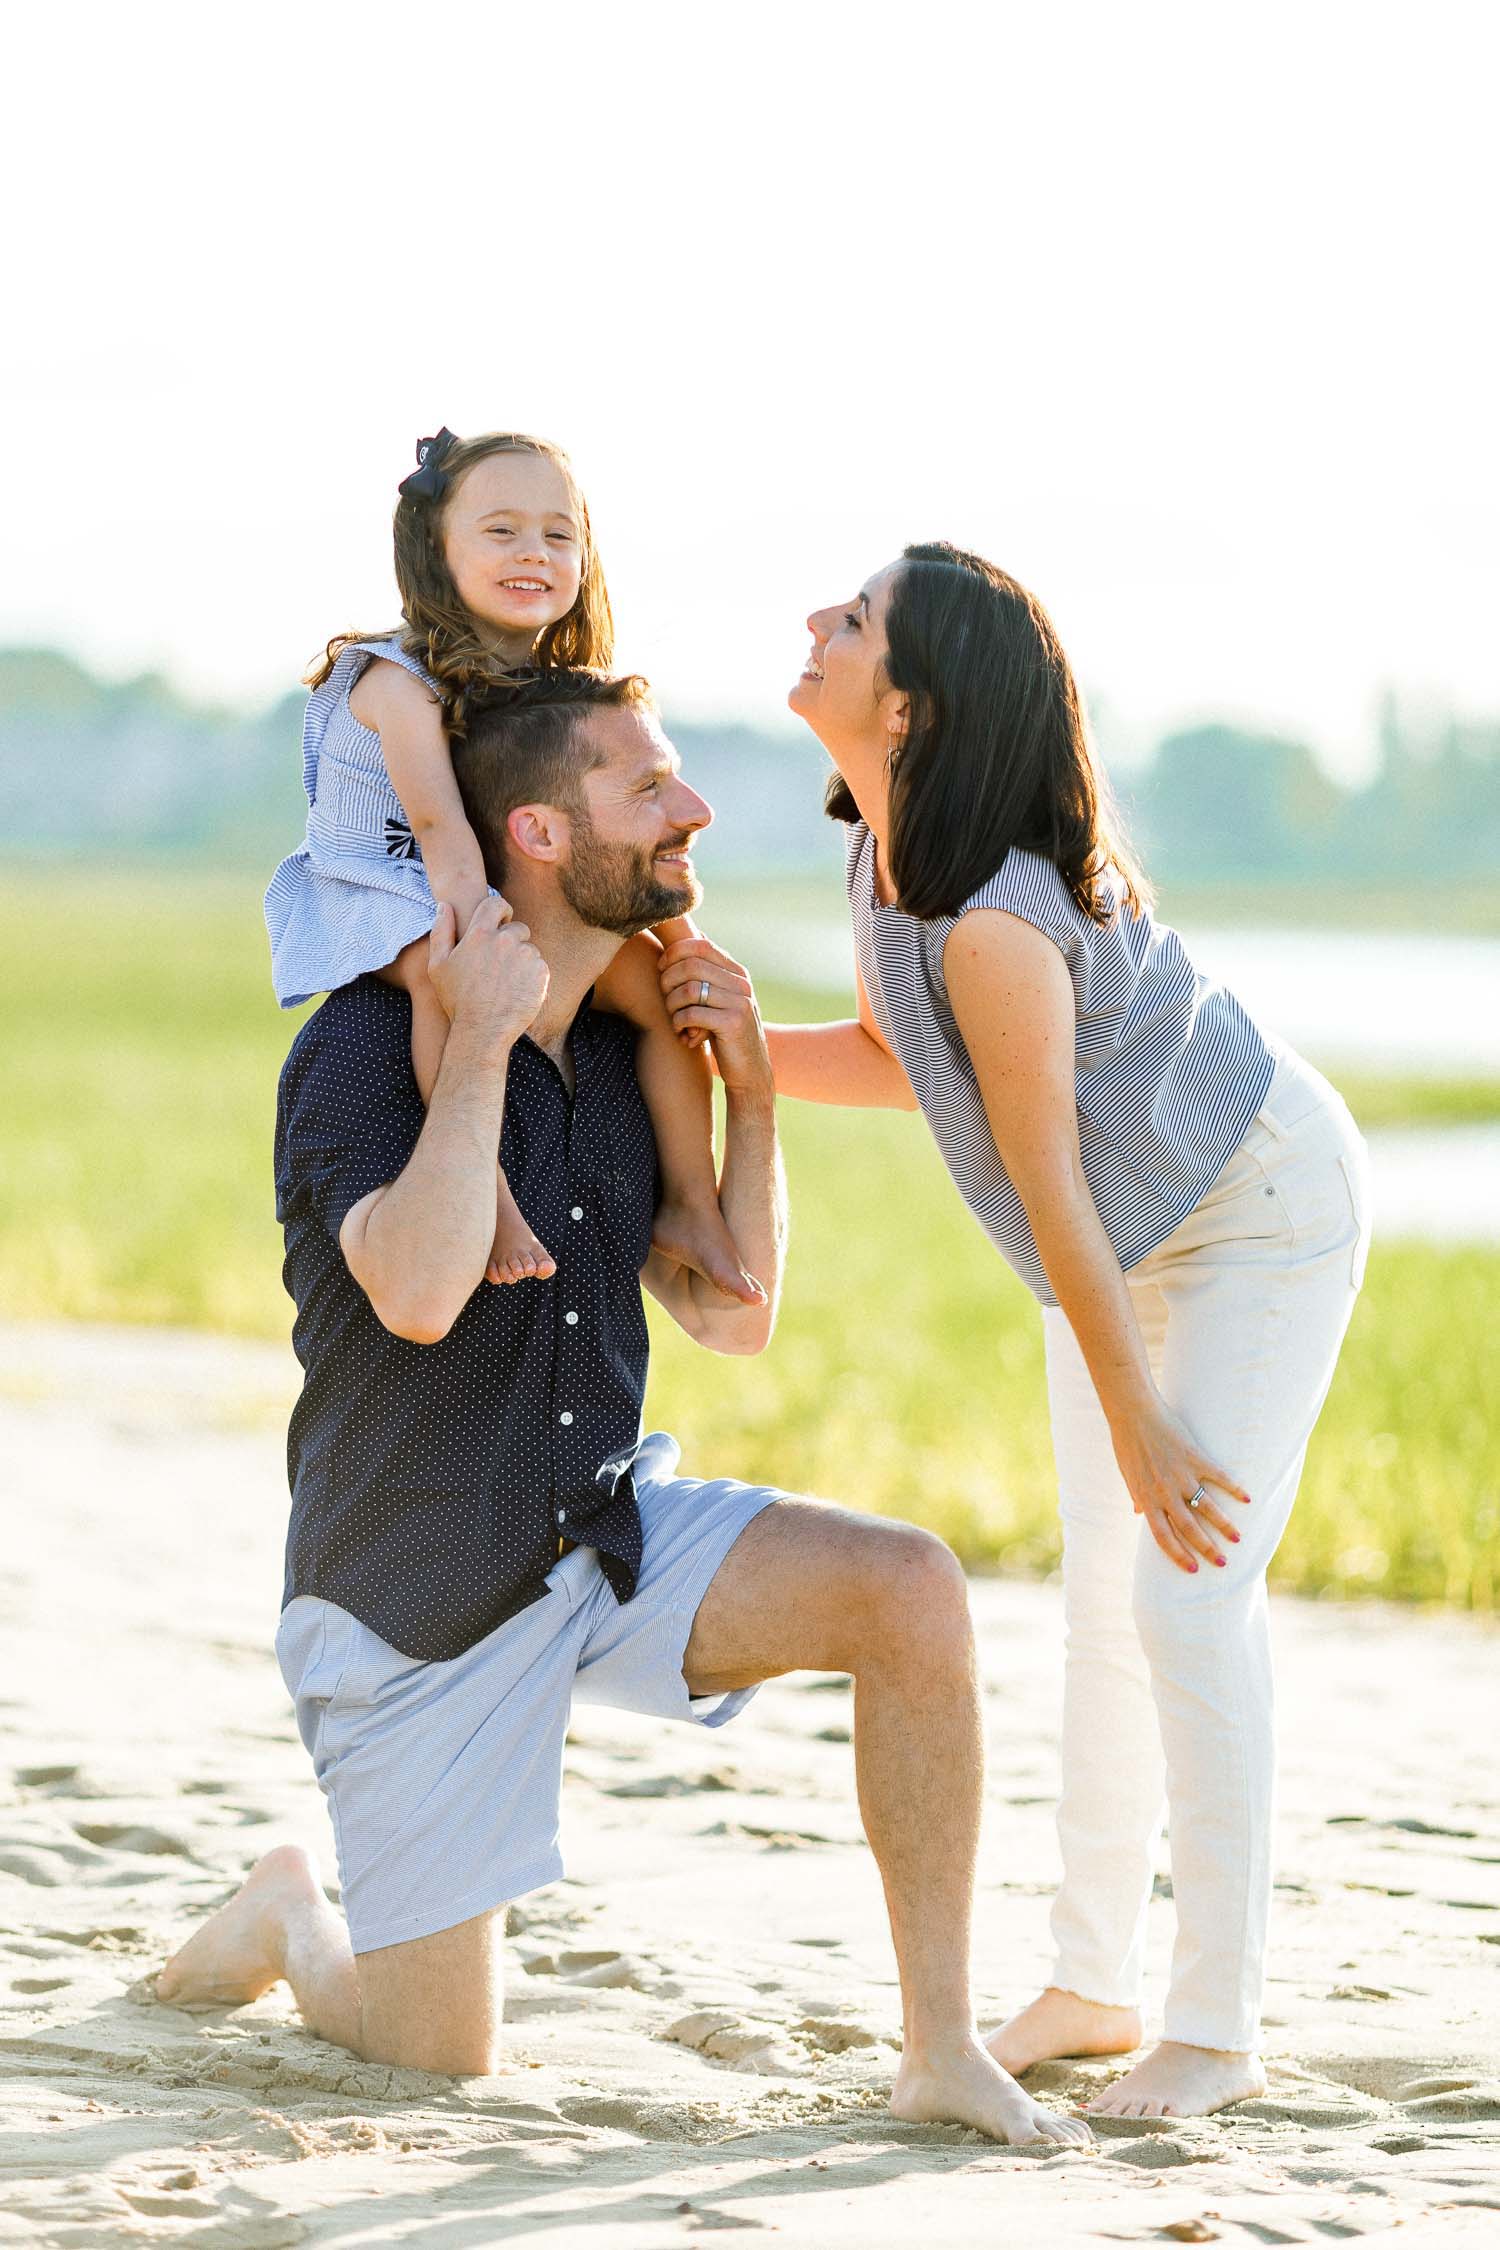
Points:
point(1188, 1202)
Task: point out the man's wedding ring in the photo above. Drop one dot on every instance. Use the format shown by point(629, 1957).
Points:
point(1196, 1499)
point(703, 990)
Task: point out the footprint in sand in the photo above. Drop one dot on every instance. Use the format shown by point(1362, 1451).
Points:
point(156, 2203)
point(62, 1781)
point(774, 1839)
point(743, 2042)
point(754, 2043)
point(118, 1937)
point(836, 2035)
point(1469, 2100)
point(607, 1971)
point(703, 2218)
point(132, 1836)
point(676, 1784)
point(30, 1867)
point(47, 1865)
point(602, 1968)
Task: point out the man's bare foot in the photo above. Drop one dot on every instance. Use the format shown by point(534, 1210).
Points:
point(1063, 2023)
point(516, 1254)
point(238, 1953)
point(691, 1236)
point(964, 2085)
point(1180, 2081)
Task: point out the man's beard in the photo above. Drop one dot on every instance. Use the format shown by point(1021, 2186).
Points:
point(616, 886)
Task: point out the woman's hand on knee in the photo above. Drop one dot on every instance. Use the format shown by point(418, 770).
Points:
point(1168, 1474)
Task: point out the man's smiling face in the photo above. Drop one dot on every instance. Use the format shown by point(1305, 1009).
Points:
point(629, 858)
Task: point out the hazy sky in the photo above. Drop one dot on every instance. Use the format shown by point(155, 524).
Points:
point(1182, 313)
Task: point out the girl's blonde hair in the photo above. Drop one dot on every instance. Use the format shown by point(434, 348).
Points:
point(439, 631)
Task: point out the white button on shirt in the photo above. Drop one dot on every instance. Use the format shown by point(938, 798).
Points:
point(576, 1212)
point(565, 1419)
point(571, 1318)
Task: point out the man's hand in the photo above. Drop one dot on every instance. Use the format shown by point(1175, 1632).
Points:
point(708, 994)
point(493, 979)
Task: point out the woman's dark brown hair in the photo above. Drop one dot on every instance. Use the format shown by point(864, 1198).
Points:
point(997, 750)
point(439, 631)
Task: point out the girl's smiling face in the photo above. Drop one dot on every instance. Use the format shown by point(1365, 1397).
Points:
point(844, 694)
point(514, 546)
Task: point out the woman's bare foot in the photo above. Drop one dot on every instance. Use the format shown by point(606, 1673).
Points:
point(516, 1254)
point(1063, 2023)
point(239, 1952)
point(1180, 2081)
point(966, 2086)
point(691, 1236)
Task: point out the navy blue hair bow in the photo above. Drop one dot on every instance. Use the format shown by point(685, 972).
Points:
point(427, 481)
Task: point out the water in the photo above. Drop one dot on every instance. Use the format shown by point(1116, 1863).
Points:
point(1437, 1184)
point(1404, 1002)
point(1398, 1000)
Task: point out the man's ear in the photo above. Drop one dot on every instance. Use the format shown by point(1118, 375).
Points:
point(538, 831)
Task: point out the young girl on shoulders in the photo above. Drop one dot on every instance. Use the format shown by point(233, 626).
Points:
point(497, 571)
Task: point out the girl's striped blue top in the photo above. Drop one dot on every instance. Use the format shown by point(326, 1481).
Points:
point(356, 892)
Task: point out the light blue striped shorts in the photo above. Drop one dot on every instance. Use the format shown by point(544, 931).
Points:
point(443, 1780)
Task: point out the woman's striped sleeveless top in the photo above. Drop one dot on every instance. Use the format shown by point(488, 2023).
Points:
point(1170, 1071)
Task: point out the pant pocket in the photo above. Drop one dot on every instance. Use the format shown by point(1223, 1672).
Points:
point(1356, 1185)
point(314, 1644)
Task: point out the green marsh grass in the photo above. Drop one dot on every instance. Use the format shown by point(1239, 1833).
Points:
point(141, 1049)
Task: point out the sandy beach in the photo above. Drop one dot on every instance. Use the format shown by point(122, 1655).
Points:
point(703, 2017)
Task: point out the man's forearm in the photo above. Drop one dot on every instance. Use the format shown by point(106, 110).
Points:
point(422, 1248)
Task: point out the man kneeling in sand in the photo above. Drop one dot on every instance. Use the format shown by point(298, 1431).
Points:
point(477, 1532)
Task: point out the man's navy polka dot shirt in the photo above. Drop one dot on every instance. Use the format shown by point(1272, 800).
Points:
point(431, 1483)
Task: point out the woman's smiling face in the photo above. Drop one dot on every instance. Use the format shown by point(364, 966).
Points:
point(844, 694)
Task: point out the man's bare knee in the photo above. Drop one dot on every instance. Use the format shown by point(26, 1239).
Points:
point(911, 1599)
point(435, 2003)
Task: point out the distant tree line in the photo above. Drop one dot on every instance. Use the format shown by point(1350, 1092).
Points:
point(1221, 802)
point(89, 767)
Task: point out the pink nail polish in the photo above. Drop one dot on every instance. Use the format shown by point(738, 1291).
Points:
point(1221, 1560)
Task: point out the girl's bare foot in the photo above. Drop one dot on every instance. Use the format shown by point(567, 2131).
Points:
point(237, 1954)
point(964, 2085)
point(1176, 2080)
point(694, 1237)
point(516, 1254)
point(1063, 2023)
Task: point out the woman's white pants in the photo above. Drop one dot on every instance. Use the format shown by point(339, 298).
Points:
point(1168, 1698)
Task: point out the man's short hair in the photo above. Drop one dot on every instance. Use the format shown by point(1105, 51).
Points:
point(528, 744)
